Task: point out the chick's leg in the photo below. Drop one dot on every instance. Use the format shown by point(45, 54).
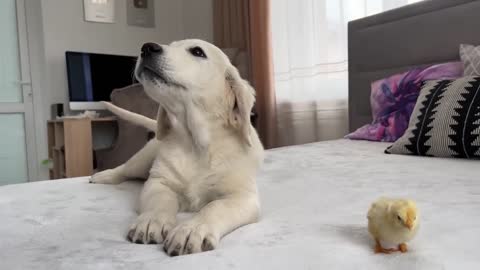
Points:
point(403, 247)
point(380, 249)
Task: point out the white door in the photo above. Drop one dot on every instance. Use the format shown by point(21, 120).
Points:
point(17, 138)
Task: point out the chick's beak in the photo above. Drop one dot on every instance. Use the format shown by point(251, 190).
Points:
point(409, 224)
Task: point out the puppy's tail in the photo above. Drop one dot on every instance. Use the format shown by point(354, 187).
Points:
point(134, 118)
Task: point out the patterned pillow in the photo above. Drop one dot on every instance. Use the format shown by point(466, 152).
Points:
point(392, 100)
point(445, 121)
point(471, 59)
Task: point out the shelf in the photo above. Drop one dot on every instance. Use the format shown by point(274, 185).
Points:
point(99, 119)
point(61, 148)
point(70, 146)
point(105, 119)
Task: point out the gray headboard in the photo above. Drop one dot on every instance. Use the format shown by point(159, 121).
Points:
point(424, 33)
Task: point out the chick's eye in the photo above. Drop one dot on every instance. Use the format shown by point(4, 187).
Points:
point(198, 52)
point(399, 218)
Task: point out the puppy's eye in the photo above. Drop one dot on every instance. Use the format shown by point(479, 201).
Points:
point(399, 218)
point(198, 52)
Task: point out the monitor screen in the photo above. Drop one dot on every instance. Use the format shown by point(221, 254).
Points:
point(92, 77)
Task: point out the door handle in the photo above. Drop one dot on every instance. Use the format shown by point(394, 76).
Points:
point(27, 93)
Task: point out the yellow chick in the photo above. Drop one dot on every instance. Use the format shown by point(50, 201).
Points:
point(394, 221)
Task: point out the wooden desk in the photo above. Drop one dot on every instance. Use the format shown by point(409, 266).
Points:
point(70, 146)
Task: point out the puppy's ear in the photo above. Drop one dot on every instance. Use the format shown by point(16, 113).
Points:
point(244, 95)
point(163, 123)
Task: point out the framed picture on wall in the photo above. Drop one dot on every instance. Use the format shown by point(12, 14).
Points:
point(102, 11)
point(141, 13)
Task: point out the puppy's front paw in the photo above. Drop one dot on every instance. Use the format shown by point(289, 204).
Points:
point(111, 176)
point(190, 237)
point(151, 228)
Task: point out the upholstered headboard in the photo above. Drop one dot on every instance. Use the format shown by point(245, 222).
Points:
point(424, 33)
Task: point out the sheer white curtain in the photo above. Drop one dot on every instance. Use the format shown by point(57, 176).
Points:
point(311, 63)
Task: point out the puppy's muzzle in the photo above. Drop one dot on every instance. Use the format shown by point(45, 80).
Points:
point(150, 49)
point(149, 60)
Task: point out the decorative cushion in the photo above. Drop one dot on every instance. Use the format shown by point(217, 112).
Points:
point(445, 121)
point(392, 100)
point(471, 59)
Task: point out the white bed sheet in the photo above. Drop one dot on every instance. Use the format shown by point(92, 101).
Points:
point(314, 202)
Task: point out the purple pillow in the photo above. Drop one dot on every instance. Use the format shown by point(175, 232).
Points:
point(392, 100)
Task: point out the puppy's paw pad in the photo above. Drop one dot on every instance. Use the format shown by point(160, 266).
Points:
point(190, 238)
point(149, 228)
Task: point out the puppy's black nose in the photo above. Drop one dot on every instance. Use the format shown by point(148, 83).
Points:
point(151, 48)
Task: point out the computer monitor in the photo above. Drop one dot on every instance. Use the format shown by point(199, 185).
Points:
point(93, 76)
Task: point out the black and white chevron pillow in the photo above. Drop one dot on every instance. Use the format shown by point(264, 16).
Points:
point(471, 59)
point(445, 121)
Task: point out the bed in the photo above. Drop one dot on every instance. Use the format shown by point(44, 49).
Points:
point(314, 202)
point(314, 197)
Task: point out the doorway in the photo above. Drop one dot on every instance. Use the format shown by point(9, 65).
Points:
point(17, 135)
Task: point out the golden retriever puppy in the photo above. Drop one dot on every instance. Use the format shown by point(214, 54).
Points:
point(206, 154)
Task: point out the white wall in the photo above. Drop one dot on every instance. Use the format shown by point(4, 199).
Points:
point(64, 29)
point(198, 18)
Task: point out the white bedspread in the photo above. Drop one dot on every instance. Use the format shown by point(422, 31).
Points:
point(314, 202)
